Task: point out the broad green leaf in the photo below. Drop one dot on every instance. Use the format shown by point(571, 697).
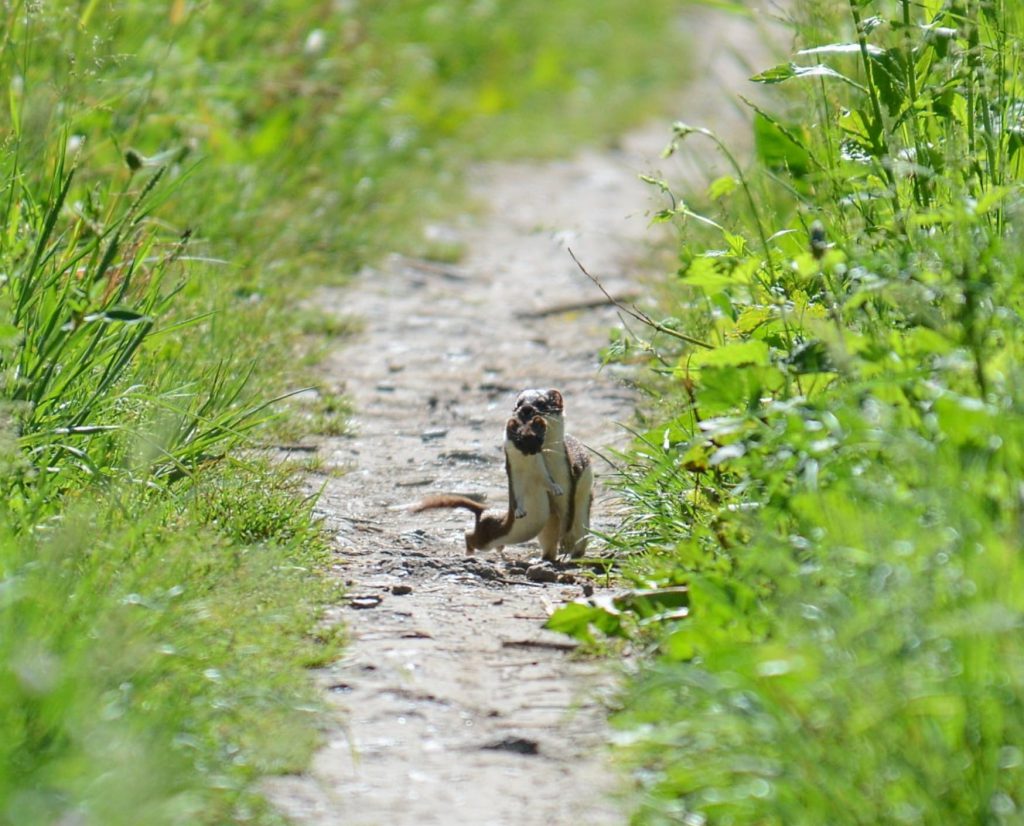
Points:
point(779, 147)
point(805, 265)
point(965, 420)
point(737, 243)
point(647, 603)
point(752, 317)
point(723, 389)
point(721, 187)
point(681, 644)
point(888, 76)
point(738, 353)
point(923, 341)
point(705, 273)
point(576, 619)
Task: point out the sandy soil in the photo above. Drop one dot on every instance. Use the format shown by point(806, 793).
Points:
point(452, 704)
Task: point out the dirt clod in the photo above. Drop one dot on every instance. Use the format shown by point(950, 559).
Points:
point(517, 745)
point(541, 573)
point(361, 603)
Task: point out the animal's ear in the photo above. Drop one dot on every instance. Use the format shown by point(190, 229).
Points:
point(555, 398)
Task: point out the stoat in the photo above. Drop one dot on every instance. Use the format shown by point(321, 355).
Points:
point(529, 485)
point(569, 467)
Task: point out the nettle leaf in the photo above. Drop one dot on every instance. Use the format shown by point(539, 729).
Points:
point(752, 318)
point(923, 341)
point(717, 598)
point(789, 71)
point(776, 74)
point(775, 149)
point(604, 613)
point(723, 389)
point(965, 420)
point(706, 274)
point(577, 618)
point(888, 77)
point(855, 123)
point(721, 187)
point(655, 604)
point(738, 353)
point(737, 243)
point(681, 645)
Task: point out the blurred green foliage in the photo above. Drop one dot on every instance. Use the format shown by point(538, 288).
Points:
point(836, 482)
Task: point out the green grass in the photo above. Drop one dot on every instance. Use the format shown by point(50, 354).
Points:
point(836, 479)
point(175, 179)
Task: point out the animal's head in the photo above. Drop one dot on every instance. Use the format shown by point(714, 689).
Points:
point(547, 403)
point(527, 436)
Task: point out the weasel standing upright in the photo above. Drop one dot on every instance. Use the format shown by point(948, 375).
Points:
point(529, 485)
point(568, 466)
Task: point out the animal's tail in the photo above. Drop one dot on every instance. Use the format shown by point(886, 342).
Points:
point(449, 500)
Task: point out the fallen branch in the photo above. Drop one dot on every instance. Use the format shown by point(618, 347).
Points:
point(431, 267)
point(554, 646)
point(575, 306)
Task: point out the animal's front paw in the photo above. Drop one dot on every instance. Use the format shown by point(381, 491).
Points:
point(520, 513)
point(556, 489)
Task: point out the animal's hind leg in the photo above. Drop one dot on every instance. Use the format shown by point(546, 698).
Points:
point(548, 537)
point(575, 541)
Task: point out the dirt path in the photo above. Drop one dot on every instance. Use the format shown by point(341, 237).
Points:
point(454, 706)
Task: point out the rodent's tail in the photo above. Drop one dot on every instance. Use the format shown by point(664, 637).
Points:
point(449, 500)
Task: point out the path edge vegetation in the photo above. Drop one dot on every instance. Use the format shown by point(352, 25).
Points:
point(827, 508)
point(174, 180)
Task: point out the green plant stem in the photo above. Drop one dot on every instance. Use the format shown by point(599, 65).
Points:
point(681, 130)
point(878, 139)
point(920, 195)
